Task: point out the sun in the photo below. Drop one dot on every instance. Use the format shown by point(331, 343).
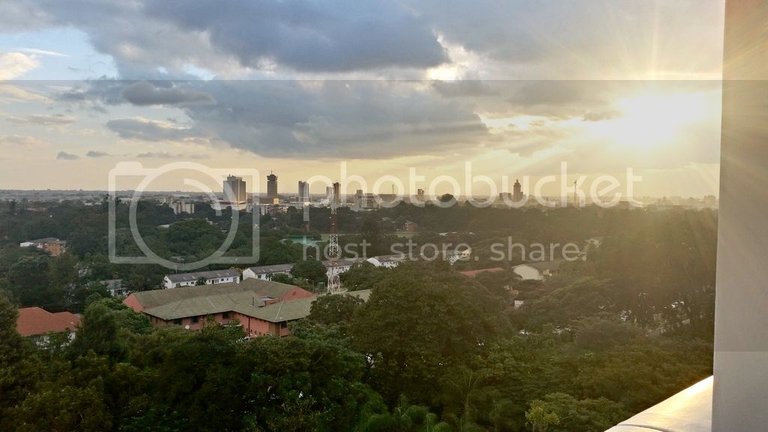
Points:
point(655, 119)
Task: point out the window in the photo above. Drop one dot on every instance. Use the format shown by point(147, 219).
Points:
point(225, 315)
point(195, 320)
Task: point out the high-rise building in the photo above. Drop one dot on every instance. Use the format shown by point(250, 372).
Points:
point(337, 193)
point(517, 192)
point(234, 190)
point(271, 186)
point(303, 191)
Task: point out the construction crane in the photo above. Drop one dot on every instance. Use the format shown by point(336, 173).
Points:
point(334, 251)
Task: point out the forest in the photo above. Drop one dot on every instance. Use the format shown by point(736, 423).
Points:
point(431, 350)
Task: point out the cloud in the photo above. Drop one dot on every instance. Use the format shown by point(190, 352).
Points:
point(96, 154)
point(20, 140)
point(166, 155)
point(306, 35)
point(15, 64)
point(42, 119)
point(66, 156)
point(600, 116)
point(143, 93)
point(42, 52)
point(149, 130)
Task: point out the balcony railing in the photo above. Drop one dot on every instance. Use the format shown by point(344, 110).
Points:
point(688, 411)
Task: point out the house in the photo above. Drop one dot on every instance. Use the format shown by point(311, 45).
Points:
point(342, 266)
point(457, 254)
point(387, 261)
point(52, 245)
point(537, 270)
point(266, 272)
point(261, 307)
point(410, 226)
point(35, 322)
point(211, 278)
point(114, 287)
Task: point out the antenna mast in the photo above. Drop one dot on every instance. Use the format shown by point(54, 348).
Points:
point(334, 251)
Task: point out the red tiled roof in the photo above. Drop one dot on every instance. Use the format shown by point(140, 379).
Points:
point(473, 273)
point(34, 321)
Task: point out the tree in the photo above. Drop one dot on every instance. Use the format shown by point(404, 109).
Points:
point(334, 309)
point(560, 412)
point(201, 281)
point(362, 276)
point(312, 270)
point(30, 283)
point(419, 321)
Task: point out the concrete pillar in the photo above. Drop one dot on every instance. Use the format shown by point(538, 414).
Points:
point(740, 398)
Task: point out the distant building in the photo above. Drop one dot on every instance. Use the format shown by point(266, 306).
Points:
point(337, 193)
point(303, 192)
point(114, 287)
point(410, 226)
point(517, 192)
point(266, 272)
point(37, 322)
point(183, 206)
point(261, 308)
point(52, 245)
point(271, 187)
point(234, 190)
point(211, 278)
point(536, 270)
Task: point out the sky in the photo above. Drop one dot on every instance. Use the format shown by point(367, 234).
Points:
point(376, 89)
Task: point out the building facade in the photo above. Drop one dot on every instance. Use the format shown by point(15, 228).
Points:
point(191, 279)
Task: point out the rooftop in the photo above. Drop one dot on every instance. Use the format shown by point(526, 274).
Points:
point(35, 321)
point(191, 277)
point(155, 298)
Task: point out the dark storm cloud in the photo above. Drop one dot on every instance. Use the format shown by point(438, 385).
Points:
point(143, 93)
point(361, 119)
point(358, 119)
point(309, 35)
point(304, 35)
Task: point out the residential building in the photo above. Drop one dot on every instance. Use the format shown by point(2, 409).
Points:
point(211, 278)
point(266, 272)
point(261, 307)
point(37, 323)
point(114, 287)
point(52, 245)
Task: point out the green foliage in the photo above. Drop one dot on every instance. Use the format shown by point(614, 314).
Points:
point(560, 412)
point(334, 309)
point(311, 270)
point(430, 351)
point(419, 321)
point(363, 276)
